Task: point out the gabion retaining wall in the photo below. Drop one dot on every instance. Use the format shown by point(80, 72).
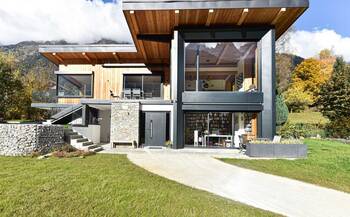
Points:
point(23, 139)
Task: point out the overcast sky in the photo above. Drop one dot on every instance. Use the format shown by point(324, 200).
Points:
point(324, 25)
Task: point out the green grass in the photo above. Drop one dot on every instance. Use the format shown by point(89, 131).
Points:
point(307, 117)
point(102, 185)
point(328, 165)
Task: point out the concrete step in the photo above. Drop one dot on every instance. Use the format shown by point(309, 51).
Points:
point(72, 133)
point(90, 147)
point(76, 137)
point(87, 144)
point(82, 140)
point(97, 149)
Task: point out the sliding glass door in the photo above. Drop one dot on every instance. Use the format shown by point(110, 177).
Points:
point(149, 85)
point(219, 129)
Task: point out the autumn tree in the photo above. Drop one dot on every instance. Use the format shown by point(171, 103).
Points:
point(306, 81)
point(297, 99)
point(10, 86)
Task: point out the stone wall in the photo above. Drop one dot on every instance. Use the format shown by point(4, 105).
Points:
point(23, 139)
point(125, 122)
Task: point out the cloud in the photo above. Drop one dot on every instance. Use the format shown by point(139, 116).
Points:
point(309, 43)
point(76, 21)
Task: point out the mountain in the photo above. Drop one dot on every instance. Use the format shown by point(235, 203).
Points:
point(285, 65)
point(28, 58)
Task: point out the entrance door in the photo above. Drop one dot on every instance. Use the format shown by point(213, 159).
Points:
point(155, 128)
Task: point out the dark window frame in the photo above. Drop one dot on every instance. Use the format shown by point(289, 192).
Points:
point(76, 74)
point(219, 34)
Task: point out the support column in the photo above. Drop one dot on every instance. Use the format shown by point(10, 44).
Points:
point(267, 122)
point(85, 115)
point(177, 85)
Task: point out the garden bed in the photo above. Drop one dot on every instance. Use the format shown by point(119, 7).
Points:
point(277, 150)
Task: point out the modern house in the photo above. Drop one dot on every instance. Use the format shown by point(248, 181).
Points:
point(200, 73)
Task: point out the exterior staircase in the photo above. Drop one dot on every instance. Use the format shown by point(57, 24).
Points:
point(80, 142)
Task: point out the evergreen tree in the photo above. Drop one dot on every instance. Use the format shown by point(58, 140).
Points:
point(281, 111)
point(334, 100)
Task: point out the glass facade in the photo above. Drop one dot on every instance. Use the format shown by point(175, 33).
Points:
point(219, 129)
point(220, 66)
point(74, 85)
point(149, 85)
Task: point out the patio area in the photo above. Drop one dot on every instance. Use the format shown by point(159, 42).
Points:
point(209, 152)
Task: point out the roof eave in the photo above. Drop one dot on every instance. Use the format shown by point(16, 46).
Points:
point(202, 4)
point(117, 48)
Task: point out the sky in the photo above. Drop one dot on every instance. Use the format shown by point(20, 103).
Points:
point(326, 24)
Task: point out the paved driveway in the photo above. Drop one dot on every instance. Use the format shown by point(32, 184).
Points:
point(280, 195)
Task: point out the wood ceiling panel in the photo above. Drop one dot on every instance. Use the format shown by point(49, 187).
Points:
point(226, 17)
point(261, 16)
point(287, 19)
point(193, 17)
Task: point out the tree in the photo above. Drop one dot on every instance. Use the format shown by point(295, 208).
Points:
point(334, 99)
point(297, 99)
point(281, 111)
point(285, 64)
point(10, 85)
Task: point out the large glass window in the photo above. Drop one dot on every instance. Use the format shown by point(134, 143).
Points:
point(220, 66)
point(149, 85)
point(74, 85)
point(219, 129)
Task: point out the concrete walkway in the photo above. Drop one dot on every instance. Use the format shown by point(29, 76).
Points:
point(277, 194)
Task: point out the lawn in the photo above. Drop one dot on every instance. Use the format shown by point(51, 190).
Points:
point(328, 164)
point(102, 185)
point(307, 117)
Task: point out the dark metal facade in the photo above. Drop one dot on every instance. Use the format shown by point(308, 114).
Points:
point(262, 101)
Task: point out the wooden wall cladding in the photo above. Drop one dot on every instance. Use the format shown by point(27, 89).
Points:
point(106, 80)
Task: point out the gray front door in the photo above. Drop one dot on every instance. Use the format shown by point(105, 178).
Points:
point(155, 128)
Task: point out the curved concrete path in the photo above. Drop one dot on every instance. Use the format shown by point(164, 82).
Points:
point(277, 194)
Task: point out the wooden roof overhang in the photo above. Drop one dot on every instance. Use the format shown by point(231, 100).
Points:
point(152, 22)
point(91, 54)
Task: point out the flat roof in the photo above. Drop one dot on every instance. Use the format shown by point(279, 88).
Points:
point(210, 4)
point(96, 48)
point(152, 22)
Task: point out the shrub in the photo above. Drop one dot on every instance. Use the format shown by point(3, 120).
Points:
point(298, 130)
point(281, 111)
point(35, 154)
point(77, 153)
point(339, 128)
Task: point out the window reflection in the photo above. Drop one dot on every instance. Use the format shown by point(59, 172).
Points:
point(74, 85)
point(221, 66)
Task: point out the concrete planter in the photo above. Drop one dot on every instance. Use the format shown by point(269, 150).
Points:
point(277, 150)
